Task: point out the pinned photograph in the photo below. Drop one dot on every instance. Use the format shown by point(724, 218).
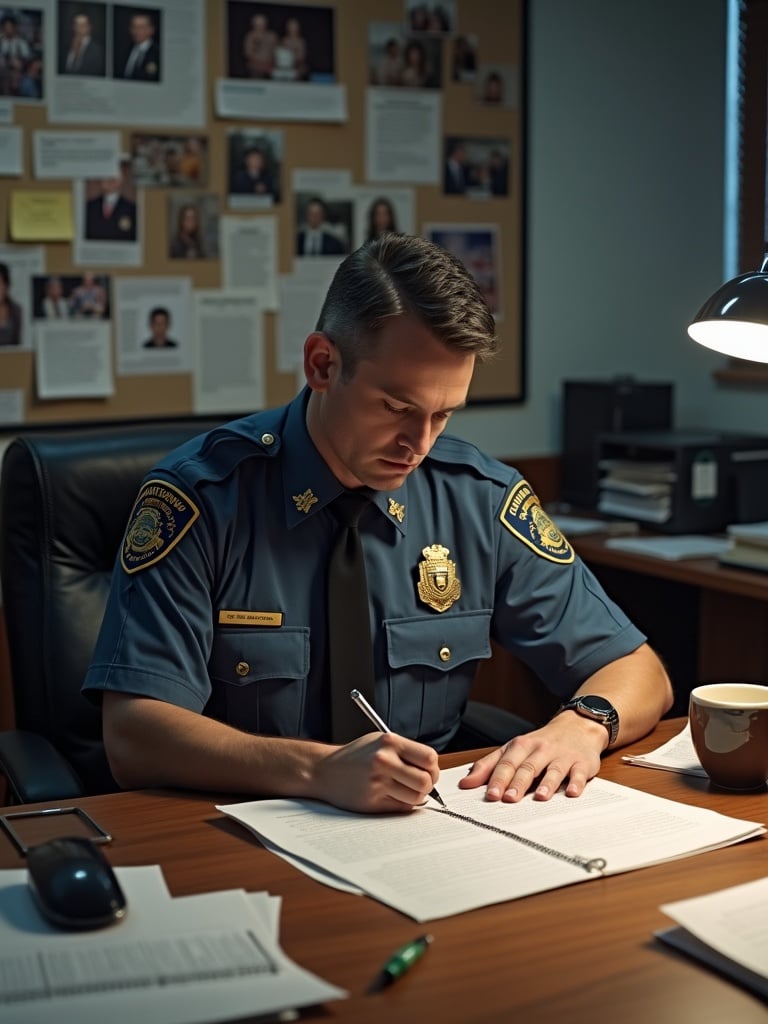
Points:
point(21, 53)
point(464, 58)
point(431, 17)
point(11, 315)
point(110, 208)
point(476, 167)
point(280, 42)
point(70, 296)
point(136, 43)
point(169, 161)
point(193, 225)
point(82, 39)
point(324, 227)
point(397, 58)
point(255, 168)
point(498, 85)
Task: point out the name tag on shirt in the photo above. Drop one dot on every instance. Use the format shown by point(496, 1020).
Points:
point(229, 617)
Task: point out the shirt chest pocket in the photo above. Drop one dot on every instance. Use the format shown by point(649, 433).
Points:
point(432, 663)
point(259, 679)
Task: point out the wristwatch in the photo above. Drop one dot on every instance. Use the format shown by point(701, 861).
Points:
point(598, 709)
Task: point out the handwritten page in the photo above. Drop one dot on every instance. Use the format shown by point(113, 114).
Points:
point(393, 858)
point(676, 755)
point(727, 929)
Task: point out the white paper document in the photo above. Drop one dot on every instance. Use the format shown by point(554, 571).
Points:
point(676, 755)
point(210, 957)
point(494, 851)
point(728, 930)
point(672, 548)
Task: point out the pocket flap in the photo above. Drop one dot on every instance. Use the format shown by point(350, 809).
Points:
point(441, 643)
point(246, 656)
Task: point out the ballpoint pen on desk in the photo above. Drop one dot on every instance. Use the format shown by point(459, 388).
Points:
point(401, 961)
point(382, 726)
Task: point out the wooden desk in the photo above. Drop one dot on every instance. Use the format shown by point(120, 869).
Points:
point(708, 621)
point(576, 955)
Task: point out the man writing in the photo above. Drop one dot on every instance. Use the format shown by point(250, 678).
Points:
point(212, 658)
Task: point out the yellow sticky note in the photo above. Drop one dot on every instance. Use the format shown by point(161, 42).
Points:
point(41, 215)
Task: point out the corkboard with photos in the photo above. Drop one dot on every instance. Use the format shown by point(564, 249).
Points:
point(424, 121)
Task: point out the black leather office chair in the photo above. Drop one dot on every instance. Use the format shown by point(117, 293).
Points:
point(65, 498)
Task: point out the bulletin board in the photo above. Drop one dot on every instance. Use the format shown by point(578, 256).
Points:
point(494, 34)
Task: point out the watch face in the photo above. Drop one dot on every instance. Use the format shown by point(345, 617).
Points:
point(598, 704)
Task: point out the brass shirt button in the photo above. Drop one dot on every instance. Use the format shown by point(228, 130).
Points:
point(242, 668)
point(445, 654)
point(267, 439)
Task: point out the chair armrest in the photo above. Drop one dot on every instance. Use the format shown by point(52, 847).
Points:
point(484, 725)
point(35, 770)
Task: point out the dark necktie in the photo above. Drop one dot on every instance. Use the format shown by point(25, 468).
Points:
point(350, 656)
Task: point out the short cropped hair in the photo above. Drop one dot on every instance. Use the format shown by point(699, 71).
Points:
point(404, 275)
point(159, 311)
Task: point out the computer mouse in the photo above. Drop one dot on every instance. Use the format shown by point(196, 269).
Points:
point(73, 884)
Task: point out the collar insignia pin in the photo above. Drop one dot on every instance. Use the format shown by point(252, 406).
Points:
point(396, 509)
point(305, 501)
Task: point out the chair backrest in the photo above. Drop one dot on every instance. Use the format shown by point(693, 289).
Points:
point(65, 498)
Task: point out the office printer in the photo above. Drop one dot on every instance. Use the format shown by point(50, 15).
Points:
point(683, 481)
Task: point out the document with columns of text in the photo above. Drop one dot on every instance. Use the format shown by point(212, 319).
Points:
point(433, 863)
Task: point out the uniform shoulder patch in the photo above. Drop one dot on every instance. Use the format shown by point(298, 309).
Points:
point(161, 516)
point(523, 516)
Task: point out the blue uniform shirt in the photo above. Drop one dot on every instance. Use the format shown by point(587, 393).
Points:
point(218, 597)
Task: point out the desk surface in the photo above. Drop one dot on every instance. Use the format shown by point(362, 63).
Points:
point(698, 572)
point(578, 954)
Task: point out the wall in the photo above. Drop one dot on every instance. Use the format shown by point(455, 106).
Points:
point(626, 125)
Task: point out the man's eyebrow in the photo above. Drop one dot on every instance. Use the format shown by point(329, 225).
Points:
point(404, 400)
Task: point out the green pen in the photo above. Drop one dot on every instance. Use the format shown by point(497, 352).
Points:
point(401, 961)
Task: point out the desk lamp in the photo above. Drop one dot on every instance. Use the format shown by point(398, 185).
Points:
point(734, 320)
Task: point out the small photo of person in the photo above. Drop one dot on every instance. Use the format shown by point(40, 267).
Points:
point(281, 42)
point(90, 298)
point(159, 322)
point(477, 167)
point(477, 248)
point(50, 297)
point(169, 161)
point(82, 39)
point(10, 311)
point(193, 226)
point(430, 17)
point(398, 59)
point(255, 166)
point(464, 59)
point(136, 43)
point(381, 218)
point(324, 227)
point(111, 212)
point(21, 53)
point(497, 86)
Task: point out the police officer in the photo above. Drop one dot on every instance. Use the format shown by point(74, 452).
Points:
point(211, 660)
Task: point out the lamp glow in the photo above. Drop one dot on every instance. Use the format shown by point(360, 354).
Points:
point(734, 320)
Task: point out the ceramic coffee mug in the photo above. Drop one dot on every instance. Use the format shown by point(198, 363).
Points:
point(729, 727)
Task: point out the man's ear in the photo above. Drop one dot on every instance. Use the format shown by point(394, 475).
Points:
point(321, 357)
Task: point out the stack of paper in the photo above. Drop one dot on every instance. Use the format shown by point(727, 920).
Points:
point(749, 547)
point(690, 545)
point(488, 852)
point(641, 490)
point(211, 957)
point(726, 930)
point(676, 755)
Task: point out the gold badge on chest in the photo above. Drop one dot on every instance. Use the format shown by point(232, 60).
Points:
point(438, 584)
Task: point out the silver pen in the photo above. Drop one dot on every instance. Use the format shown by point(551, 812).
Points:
point(382, 726)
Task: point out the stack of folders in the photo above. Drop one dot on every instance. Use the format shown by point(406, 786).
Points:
point(749, 546)
point(640, 490)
